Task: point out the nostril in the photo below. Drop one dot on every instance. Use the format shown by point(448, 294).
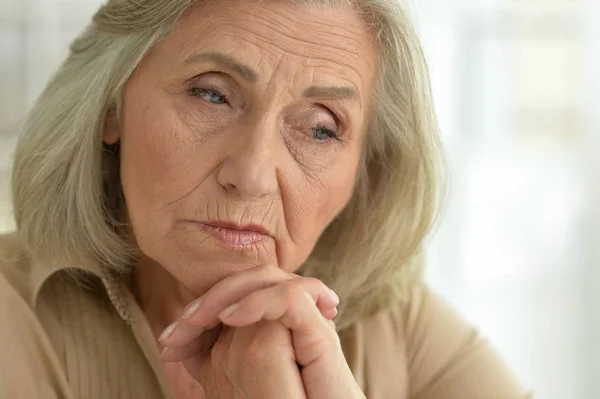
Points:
point(228, 186)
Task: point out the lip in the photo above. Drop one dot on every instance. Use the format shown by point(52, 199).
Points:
point(257, 228)
point(233, 234)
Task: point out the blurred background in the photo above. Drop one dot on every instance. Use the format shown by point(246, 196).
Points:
point(517, 90)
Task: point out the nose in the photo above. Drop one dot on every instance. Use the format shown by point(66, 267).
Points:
point(249, 170)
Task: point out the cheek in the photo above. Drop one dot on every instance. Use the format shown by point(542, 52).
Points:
point(148, 158)
point(337, 196)
point(316, 202)
point(156, 170)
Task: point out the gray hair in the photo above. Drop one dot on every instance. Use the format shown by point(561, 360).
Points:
point(66, 186)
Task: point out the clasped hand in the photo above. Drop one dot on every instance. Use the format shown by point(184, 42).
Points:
point(277, 339)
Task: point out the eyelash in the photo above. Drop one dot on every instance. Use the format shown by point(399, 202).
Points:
point(331, 134)
point(199, 91)
point(328, 132)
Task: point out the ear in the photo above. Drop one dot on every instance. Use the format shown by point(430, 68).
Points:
point(112, 133)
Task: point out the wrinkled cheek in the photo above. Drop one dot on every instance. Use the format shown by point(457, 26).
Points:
point(340, 191)
point(327, 205)
point(155, 162)
point(137, 203)
point(141, 178)
point(147, 188)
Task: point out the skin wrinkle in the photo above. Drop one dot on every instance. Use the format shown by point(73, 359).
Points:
point(337, 104)
point(246, 73)
point(253, 159)
point(178, 202)
point(272, 35)
point(192, 190)
point(316, 57)
point(275, 25)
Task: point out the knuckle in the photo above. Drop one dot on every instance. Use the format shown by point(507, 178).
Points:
point(332, 326)
point(221, 356)
point(252, 301)
point(255, 353)
point(328, 337)
point(293, 292)
point(263, 266)
point(333, 335)
point(266, 335)
point(312, 282)
point(231, 361)
point(322, 286)
point(262, 271)
point(266, 268)
point(268, 272)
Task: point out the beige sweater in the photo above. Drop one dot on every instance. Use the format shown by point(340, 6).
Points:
point(62, 340)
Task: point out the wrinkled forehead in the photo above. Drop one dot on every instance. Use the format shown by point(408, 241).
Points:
point(328, 42)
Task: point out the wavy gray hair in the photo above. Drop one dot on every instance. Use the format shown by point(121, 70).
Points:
point(66, 187)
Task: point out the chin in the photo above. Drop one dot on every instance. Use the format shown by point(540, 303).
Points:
point(199, 261)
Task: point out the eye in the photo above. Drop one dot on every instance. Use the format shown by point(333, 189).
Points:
point(210, 95)
point(321, 133)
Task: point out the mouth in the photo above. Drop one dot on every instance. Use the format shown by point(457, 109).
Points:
point(234, 235)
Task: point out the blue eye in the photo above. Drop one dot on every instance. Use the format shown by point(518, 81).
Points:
point(210, 95)
point(322, 133)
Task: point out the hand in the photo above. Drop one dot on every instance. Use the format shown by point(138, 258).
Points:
point(275, 322)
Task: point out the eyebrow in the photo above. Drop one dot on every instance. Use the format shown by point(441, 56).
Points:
point(251, 76)
point(332, 92)
point(226, 61)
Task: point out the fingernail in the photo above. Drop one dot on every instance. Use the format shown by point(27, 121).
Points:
point(191, 309)
point(164, 352)
point(168, 332)
point(229, 311)
point(334, 296)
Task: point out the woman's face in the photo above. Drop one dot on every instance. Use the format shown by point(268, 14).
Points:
point(242, 135)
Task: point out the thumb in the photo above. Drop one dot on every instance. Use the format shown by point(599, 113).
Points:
point(205, 368)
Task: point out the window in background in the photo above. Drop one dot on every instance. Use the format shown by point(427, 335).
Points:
point(512, 252)
point(515, 85)
point(34, 38)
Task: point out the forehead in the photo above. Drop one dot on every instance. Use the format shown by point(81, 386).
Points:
point(298, 42)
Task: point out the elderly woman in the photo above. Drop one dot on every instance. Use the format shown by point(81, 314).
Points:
point(204, 186)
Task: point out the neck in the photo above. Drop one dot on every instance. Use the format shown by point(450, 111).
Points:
point(159, 294)
point(162, 299)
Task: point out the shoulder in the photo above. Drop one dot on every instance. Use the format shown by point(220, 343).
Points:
point(29, 356)
point(376, 349)
point(420, 314)
point(17, 316)
point(426, 347)
point(15, 270)
point(407, 316)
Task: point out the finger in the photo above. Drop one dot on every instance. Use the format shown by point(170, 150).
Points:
point(329, 314)
point(195, 347)
point(204, 311)
point(170, 354)
point(179, 329)
point(295, 307)
point(332, 325)
point(180, 334)
point(202, 367)
point(230, 290)
point(237, 286)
